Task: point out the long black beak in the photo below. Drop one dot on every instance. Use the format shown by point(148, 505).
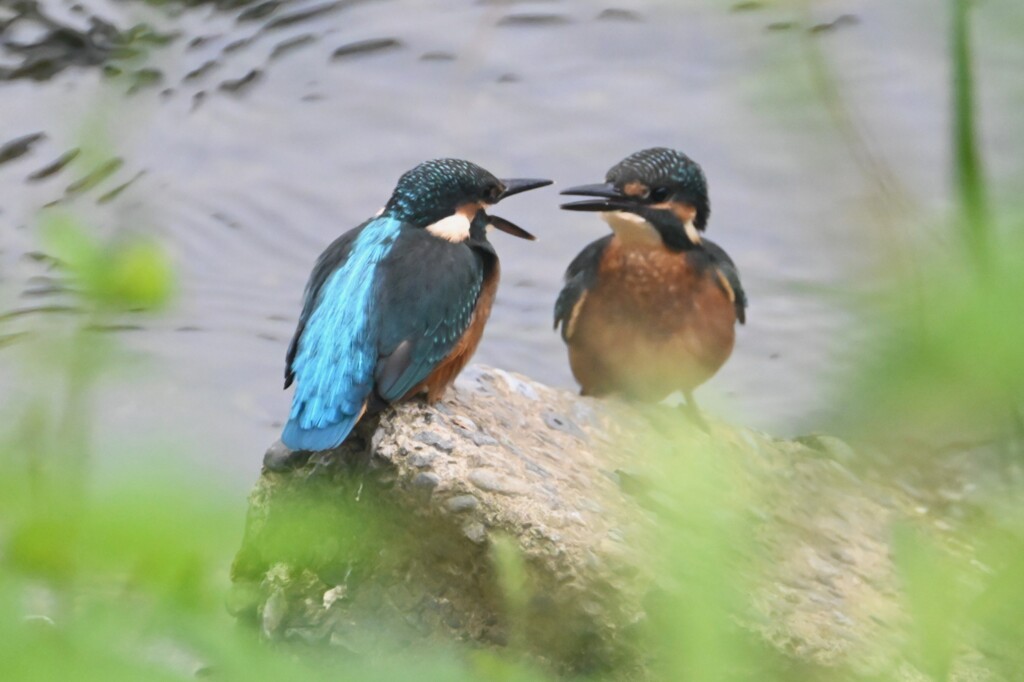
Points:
point(517, 185)
point(611, 198)
point(499, 223)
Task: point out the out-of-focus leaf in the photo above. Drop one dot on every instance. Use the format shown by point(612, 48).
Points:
point(934, 595)
point(124, 274)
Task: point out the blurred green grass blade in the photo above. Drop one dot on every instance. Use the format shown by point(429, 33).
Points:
point(970, 182)
point(934, 601)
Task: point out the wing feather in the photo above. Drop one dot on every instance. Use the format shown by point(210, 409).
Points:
point(580, 277)
point(724, 264)
point(334, 352)
point(430, 291)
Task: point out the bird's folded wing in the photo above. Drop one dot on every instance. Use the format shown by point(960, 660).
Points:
point(428, 294)
point(579, 278)
point(728, 269)
point(334, 352)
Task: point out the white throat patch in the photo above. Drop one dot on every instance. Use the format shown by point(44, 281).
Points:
point(631, 228)
point(692, 232)
point(454, 228)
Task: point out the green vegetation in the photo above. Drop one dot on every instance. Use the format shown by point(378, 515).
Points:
point(130, 584)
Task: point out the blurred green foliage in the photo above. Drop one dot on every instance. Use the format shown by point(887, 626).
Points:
point(131, 584)
point(948, 359)
point(127, 274)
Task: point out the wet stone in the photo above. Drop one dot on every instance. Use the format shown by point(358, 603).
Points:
point(521, 387)
point(273, 613)
point(279, 458)
point(494, 482)
point(435, 440)
point(586, 528)
point(464, 422)
point(475, 532)
point(562, 423)
point(481, 439)
point(426, 481)
point(830, 446)
point(461, 503)
point(537, 469)
point(422, 460)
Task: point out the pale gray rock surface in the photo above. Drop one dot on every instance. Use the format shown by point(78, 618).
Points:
point(503, 459)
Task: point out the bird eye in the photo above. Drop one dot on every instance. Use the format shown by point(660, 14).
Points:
point(658, 195)
point(494, 193)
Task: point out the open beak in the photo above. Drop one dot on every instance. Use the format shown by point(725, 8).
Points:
point(499, 223)
point(610, 198)
point(517, 185)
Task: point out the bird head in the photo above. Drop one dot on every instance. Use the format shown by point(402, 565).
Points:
point(444, 196)
point(651, 195)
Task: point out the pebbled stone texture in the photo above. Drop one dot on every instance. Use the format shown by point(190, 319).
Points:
point(504, 456)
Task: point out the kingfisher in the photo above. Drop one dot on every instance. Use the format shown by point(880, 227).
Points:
point(396, 307)
point(652, 308)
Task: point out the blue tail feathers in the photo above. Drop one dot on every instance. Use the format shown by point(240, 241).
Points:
point(317, 438)
point(337, 350)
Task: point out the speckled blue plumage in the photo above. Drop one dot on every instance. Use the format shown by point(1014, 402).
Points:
point(336, 357)
point(385, 304)
point(426, 192)
point(661, 166)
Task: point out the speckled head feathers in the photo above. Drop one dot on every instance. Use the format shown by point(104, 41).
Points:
point(436, 188)
point(670, 171)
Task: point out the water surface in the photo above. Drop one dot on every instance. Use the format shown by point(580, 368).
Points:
point(256, 135)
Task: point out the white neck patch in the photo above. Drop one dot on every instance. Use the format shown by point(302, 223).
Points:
point(692, 232)
point(454, 228)
point(631, 228)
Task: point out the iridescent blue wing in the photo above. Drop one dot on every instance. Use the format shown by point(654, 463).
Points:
point(428, 295)
point(333, 258)
point(334, 352)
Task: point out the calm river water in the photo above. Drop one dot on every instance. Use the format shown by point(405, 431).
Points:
point(251, 145)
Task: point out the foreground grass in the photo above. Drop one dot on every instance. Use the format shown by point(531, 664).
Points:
point(130, 583)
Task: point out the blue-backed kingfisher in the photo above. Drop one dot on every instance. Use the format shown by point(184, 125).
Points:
point(650, 309)
point(396, 306)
